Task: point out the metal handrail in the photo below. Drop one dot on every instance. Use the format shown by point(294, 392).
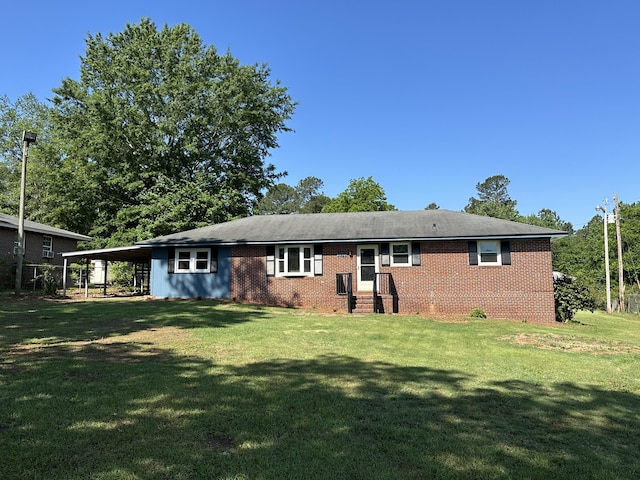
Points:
point(380, 287)
point(345, 288)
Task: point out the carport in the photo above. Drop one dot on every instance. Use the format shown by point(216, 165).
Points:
point(139, 255)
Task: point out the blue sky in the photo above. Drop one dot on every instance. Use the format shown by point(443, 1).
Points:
point(428, 97)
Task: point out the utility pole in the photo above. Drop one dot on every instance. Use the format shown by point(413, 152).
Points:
point(606, 253)
point(27, 139)
point(619, 240)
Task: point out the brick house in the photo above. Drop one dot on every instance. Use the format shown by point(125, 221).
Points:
point(43, 244)
point(433, 262)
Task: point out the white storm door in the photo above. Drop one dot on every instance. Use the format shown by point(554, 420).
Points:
point(367, 266)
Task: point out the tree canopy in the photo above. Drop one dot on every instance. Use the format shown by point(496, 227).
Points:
point(362, 195)
point(161, 133)
point(630, 233)
point(493, 199)
point(25, 113)
point(305, 197)
point(549, 219)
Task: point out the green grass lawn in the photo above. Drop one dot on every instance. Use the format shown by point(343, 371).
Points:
point(134, 389)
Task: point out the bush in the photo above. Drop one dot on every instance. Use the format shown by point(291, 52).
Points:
point(122, 274)
point(570, 296)
point(49, 282)
point(478, 313)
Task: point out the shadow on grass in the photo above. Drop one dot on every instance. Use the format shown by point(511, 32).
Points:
point(86, 320)
point(126, 411)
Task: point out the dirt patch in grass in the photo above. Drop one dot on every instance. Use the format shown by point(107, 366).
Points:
point(220, 443)
point(140, 343)
point(570, 344)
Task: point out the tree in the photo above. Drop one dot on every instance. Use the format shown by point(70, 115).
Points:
point(549, 219)
point(630, 233)
point(432, 206)
point(25, 113)
point(305, 197)
point(494, 200)
point(362, 195)
point(309, 191)
point(581, 255)
point(315, 204)
point(167, 133)
point(279, 199)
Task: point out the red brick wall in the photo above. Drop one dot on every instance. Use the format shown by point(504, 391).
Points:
point(446, 285)
point(249, 281)
point(443, 285)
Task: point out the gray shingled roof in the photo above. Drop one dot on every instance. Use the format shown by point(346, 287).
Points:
point(10, 222)
point(360, 226)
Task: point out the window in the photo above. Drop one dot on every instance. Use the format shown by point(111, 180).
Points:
point(400, 254)
point(403, 254)
point(47, 243)
point(294, 260)
point(47, 247)
point(192, 260)
point(490, 252)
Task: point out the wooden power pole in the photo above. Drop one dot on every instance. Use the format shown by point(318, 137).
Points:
point(620, 269)
point(606, 217)
point(27, 139)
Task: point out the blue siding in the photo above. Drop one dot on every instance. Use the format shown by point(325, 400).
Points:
point(190, 285)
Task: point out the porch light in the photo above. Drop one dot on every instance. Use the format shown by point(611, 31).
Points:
point(29, 137)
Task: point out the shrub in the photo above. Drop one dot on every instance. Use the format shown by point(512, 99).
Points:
point(49, 282)
point(570, 296)
point(122, 274)
point(478, 313)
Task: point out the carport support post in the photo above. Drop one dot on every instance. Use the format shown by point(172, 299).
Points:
point(104, 287)
point(64, 278)
point(86, 280)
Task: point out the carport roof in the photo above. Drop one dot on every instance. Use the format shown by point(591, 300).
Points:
point(134, 253)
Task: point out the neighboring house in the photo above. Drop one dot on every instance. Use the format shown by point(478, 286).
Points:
point(43, 244)
point(432, 262)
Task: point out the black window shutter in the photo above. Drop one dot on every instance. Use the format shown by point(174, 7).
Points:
point(172, 260)
point(505, 252)
point(473, 252)
point(385, 259)
point(317, 258)
point(213, 261)
point(271, 260)
point(415, 253)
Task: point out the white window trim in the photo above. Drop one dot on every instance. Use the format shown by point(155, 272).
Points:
point(392, 262)
point(285, 261)
point(193, 252)
point(47, 246)
point(498, 251)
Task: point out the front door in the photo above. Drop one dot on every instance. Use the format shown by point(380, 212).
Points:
point(367, 267)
